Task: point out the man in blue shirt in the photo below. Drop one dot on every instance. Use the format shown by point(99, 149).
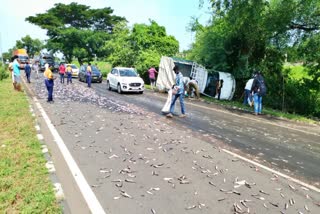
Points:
point(179, 86)
point(27, 70)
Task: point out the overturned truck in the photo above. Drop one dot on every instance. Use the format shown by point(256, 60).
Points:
point(207, 82)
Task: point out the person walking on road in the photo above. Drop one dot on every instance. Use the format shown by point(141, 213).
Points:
point(49, 82)
point(27, 70)
point(179, 88)
point(35, 68)
point(89, 74)
point(69, 74)
point(152, 77)
point(62, 71)
point(259, 90)
point(247, 92)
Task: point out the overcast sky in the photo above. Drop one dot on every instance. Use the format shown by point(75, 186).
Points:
point(174, 15)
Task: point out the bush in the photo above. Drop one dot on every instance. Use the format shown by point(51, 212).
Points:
point(3, 72)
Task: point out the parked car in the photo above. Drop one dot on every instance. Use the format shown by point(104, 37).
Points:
point(56, 67)
point(96, 74)
point(125, 80)
point(75, 70)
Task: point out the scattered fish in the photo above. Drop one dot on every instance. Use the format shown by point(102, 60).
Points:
point(123, 193)
point(191, 207)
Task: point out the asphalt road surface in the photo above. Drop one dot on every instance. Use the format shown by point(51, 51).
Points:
point(138, 161)
point(291, 147)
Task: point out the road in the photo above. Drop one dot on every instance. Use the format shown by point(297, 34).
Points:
point(291, 147)
point(138, 161)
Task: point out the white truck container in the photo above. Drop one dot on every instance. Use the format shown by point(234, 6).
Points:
point(206, 82)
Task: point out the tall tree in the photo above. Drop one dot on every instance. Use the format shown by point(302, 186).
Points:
point(140, 47)
point(32, 46)
point(77, 30)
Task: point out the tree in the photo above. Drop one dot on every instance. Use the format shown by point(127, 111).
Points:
point(77, 30)
point(141, 47)
point(32, 46)
point(248, 34)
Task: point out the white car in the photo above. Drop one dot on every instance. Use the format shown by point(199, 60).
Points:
point(125, 80)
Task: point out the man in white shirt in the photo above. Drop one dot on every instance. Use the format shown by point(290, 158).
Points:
point(247, 93)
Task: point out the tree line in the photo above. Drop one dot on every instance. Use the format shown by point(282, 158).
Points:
point(241, 36)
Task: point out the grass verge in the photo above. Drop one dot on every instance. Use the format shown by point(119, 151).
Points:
point(266, 110)
point(25, 186)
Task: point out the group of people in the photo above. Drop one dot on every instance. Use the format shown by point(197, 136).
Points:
point(15, 68)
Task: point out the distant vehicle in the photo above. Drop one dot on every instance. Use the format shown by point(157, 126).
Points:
point(46, 58)
point(125, 80)
point(75, 70)
point(56, 67)
point(22, 55)
point(96, 74)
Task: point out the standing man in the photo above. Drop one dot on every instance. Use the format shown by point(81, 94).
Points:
point(62, 71)
point(259, 89)
point(152, 76)
point(35, 68)
point(179, 86)
point(17, 75)
point(89, 74)
point(69, 74)
point(49, 82)
point(247, 93)
point(27, 70)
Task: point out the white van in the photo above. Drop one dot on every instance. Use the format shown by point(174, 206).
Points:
point(206, 81)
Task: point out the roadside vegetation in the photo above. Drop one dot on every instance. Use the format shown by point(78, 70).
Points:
point(279, 38)
point(25, 186)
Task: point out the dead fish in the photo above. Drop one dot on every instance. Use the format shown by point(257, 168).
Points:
point(157, 165)
point(243, 203)
point(123, 193)
point(155, 188)
point(119, 185)
point(221, 199)
point(155, 173)
point(149, 192)
point(131, 175)
point(116, 197)
point(264, 204)
point(263, 192)
point(207, 156)
point(184, 182)
point(281, 194)
point(306, 208)
point(168, 179)
point(129, 181)
point(212, 183)
point(113, 156)
point(153, 211)
point(191, 207)
point(304, 188)
point(274, 204)
point(236, 192)
point(286, 206)
point(292, 187)
point(118, 180)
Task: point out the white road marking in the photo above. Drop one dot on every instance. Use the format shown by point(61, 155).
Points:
point(40, 136)
point(87, 193)
point(245, 117)
point(272, 170)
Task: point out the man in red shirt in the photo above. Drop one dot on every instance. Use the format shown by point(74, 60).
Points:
point(62, 71)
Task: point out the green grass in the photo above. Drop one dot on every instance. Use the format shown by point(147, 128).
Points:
point(25, 186)
point(266, 110)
